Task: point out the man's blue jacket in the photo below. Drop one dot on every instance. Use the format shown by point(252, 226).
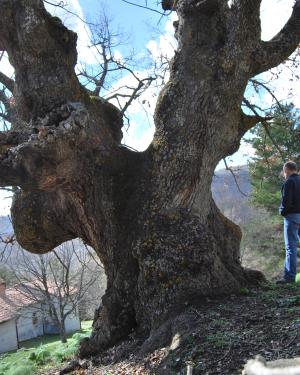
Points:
point(290, 192)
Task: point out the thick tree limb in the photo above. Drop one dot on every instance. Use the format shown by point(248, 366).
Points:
point(249, 8)
point(43, 53)
point(38, 225)
point(248, 121)
point(270, 54)
point(249, 16)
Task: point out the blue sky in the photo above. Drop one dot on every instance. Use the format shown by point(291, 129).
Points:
point(133, 20)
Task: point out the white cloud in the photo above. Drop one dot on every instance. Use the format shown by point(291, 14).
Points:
point(138, 136)
point(5, 203)
point(166, 43)
point(274, 14)
point(6, 66)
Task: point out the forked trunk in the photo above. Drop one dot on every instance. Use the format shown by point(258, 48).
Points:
point(150, 216)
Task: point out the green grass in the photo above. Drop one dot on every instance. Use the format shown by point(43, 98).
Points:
point(42, 353)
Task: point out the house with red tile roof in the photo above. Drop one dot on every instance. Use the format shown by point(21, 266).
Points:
point(24, 316)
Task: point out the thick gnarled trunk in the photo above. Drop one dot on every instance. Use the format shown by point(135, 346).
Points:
point(149, 216)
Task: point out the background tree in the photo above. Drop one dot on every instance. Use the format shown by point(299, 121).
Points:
point(273, 146)
point(58, 281)
point(149, 216)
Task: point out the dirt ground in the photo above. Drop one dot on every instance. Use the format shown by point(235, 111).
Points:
point(216, 337)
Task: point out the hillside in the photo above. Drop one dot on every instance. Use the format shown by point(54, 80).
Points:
point(216, 336)
point(223, 181)
point(232, 194)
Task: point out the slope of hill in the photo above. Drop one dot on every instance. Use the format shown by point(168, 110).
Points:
point(232, 193)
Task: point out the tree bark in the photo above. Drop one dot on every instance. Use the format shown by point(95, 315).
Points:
point(62, 332)
point(150, 216)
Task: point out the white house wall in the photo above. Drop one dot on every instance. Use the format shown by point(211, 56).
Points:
point(72, 323)
point(30, 323)
point(8, 336)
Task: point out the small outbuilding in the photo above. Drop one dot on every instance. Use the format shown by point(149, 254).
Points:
point(23, 318)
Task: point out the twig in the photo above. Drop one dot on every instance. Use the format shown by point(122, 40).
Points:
point(266, 127)
point(145, 7)
point(234, 177)
point(61, 5)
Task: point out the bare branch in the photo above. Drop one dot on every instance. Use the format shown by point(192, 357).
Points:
point(111, 68)
point(266, 127)
point(92, 256)
point(248, 121)
point(55, 280)
point(234, 177)
point(144, 7)
point(136, 93)
point(63, 6)
point(267, 130)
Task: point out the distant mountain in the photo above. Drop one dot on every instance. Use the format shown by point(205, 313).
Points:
point(232, 194)
point(223, 179)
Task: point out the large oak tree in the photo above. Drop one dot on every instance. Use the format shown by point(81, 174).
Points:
point(150, 216)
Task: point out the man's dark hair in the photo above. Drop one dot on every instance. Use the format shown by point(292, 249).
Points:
point(291, 165)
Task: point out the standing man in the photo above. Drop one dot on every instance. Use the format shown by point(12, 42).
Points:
point(290, 210)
